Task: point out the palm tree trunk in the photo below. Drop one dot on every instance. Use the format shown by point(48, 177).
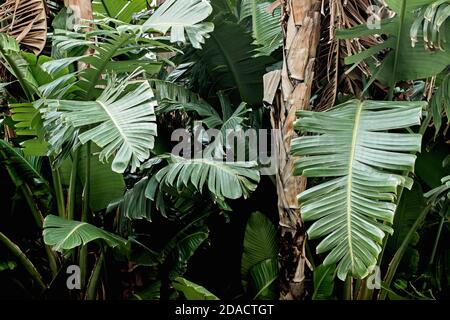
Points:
point(301, 28)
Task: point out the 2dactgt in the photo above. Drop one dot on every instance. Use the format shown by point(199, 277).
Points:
point(248, 309)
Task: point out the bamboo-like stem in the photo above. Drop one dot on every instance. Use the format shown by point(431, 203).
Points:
point(444, 213)
point(59, 193)
point(72, 186)
point(23, 259)
point(348, 288)
point(27, 194)
point(393, 265)
point(85, 212)
point(95, 277)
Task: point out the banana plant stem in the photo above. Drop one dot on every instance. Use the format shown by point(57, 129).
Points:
point(85, 213)
point(23, 259)
point(444, 213)
point(73, 186)
point(59, 193)
point(95, 277)
point(393, 265)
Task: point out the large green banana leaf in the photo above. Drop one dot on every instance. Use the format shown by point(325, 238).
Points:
point(403, 62)
point(366, 165)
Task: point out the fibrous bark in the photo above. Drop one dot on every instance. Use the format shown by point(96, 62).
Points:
point(301, 28)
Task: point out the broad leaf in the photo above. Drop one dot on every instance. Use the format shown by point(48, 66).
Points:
point(120, 121)
point(403, 62)
point(180, 17)
point(367, 164)
point(230, 64)
point(122, 10)
point(259, 257)
point(64, 234)
point(266, 27)
point(12, 59)
point(230, 180)
point(192, 291)
point(323, 282)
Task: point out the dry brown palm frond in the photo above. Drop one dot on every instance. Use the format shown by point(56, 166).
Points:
point(26, 21)
point(331, 71)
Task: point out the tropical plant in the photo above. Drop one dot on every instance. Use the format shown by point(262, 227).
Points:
point(125, 149)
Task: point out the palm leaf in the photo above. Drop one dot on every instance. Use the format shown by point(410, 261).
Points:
point(259, 257)
point(122, 10)
point(323, 282)
point(266, 27)
point(26, 21)
point(64, 234)
point(21, 167)
point(119, 121)
point(192, 291)
point(367, 165)
point(230, 180)
point(180, 17)
point(230, 64)
point(12, 59)
point(263, 277)
point(403, 62)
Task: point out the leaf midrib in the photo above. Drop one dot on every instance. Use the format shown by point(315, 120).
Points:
point(116, 124)
point(355, 131)
point(69, 234)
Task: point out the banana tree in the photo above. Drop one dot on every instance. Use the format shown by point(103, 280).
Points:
point(301, 28)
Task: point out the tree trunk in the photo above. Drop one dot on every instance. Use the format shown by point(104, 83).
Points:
point(301, 29)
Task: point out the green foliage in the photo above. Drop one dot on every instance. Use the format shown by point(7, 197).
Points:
point(192, 291)
point(122, 10)
point(63, 234)
point(231, 64)
point(259, 265)
point(403, 62)
point(266, 29)
point(440, 103)
point(120, 121)
point(367, 164)
point(323, 282)
point(225, 180)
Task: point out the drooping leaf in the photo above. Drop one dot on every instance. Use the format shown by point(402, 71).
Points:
point(263, 280)
point(323, 282)
point(120, 121)
point(366, 165)
point(403, 62)
point(230, 64)
point(22, 169)
point(182, 17)
point(26, 21)
point(192, 291)
point(230, 180)
point(266, 27)
point(106, 185)
point(63, 234)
